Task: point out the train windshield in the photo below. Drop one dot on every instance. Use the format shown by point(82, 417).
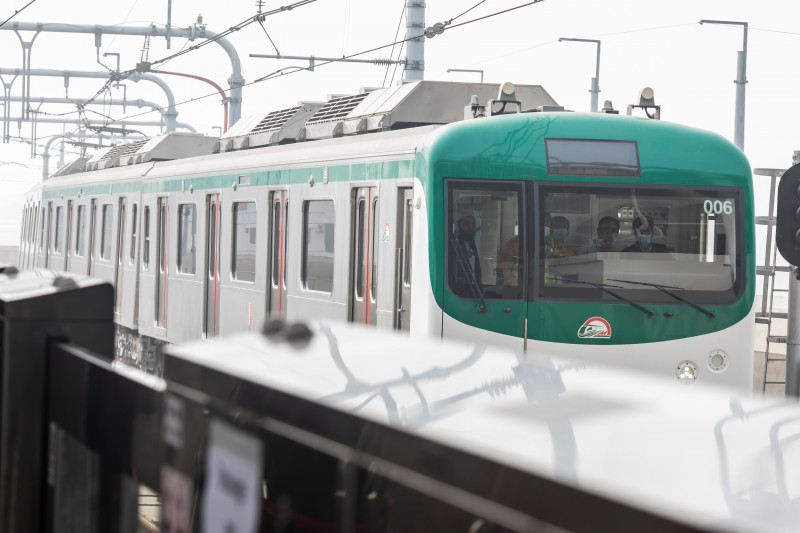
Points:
point(643, 243)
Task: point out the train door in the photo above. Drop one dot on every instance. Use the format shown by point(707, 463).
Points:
point(121, 225)
point(364, 259)
point(68, 237)
point(211, 319)
point(92, 229)
point(49, 234)
point(162, 210)
point(22, 236)
point(276, 303)
point(402, 273)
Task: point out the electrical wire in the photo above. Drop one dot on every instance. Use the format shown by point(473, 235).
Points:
point(446, 28)
point(391, 52)
point(288, 70)
point(467, 11)
point(257, 18)
point(643, 29)
point(17, 12)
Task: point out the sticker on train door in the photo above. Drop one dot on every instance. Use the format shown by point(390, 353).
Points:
point(595, 328)
point(387, 234)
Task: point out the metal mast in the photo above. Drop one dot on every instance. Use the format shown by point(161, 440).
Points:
point(415, 47)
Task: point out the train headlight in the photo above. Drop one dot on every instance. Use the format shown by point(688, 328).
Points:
point(717, 360)
point(686, 372)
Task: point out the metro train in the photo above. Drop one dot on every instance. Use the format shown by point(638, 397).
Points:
point(615, 238)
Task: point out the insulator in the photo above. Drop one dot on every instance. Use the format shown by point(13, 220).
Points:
point(382, 61)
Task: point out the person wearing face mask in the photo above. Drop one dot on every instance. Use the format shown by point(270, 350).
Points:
point(559, 231)
point(643, 230)
point(607, 233)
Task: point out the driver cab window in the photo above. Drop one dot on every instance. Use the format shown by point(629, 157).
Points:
point(484, 240)
point(642, 243)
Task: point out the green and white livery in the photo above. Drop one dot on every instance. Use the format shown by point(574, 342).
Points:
point(596, 236)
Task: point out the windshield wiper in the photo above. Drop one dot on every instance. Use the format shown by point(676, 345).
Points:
point(474, 286)
point(663, 288)
point(603, 287)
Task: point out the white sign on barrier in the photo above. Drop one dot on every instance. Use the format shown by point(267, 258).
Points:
point(232, 494)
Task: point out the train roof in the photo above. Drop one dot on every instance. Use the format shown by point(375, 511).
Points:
point(661, 145)
point(698, 454)
point(391, 145)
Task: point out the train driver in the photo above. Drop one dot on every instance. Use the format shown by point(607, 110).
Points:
point(643, 228)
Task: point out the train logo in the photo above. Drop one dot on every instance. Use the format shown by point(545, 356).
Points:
point(595, 328)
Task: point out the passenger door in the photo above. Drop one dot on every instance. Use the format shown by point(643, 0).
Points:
point(92, 230)
point(363, 304)
point(279, 205)
point(68, 238)
point(49, 235)
point(211, 318)
point(121, 225)
point(162, 274)
point(402, 272)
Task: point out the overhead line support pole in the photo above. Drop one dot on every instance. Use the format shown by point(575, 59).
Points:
point(740, 81)
point(595, 90)
point(235, 82)
point(170, 114)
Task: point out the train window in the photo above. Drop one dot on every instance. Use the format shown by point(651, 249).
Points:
point(134, 231)
point(374, 280)
point(598, 158)
point(361, 213)
point(80, 231)
point(645, 244)
point(485, 245)
point(41, 233)
point(243, 256)
point(279, 235)
point(58, 230)
point(318, 252)
point(146, 249)
point(23, 226)
point(105, 234)
point(275, 241)
point(187, 233)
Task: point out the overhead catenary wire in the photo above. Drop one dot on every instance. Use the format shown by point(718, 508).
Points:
point(257, 18)
point(289, 70)
point(17, 12)
point(446, 28)
point(391, 52)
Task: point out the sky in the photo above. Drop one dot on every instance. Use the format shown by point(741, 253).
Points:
point(691, 67)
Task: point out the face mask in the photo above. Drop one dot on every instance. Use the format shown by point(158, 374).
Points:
point(600, 244)
point(644, 240)
point(546, 231)
point(560, 234)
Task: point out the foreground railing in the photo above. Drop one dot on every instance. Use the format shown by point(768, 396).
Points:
point(336, 428)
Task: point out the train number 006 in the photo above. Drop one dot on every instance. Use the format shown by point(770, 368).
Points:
point(718, 207)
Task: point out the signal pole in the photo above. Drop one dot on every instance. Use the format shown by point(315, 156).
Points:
point(787, 238)
point(740, 81)
point(595, 90)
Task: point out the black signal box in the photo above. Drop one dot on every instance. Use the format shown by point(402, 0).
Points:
point(788, 224)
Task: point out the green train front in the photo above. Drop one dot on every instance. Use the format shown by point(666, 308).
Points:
point(522, 243)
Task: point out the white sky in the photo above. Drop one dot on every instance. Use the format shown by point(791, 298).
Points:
point(644, 43)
